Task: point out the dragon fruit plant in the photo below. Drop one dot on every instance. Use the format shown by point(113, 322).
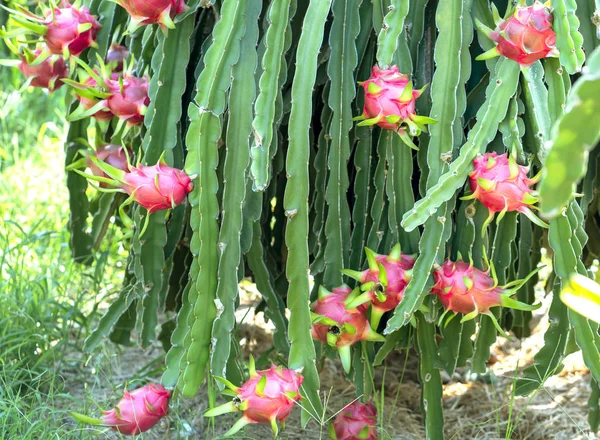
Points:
point(339, 326)
point(502, 185)
point(66, 30)
point(526, 36)
point(465, 289)
point(143, 12)
point(390, 103)
point(268, 396)
point(357, 421)
point(383, 283)
point(137, 412)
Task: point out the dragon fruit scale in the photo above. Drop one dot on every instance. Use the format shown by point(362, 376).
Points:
point(48, 74)
point(268, 396)
point(145, 12)
point(383, 283)
point(525, 36)
point(390, 104)
point(502, 185)
point(137, 412)
point(465, 289)
point(357, 421)
point(339, 326)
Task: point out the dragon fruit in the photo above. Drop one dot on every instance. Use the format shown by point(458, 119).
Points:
point(89, 101)
point(525, 36)
point(267, 397)
point(390, 104)
point(144, 12)
point(339, 326)
point(70, 27)
point(115, 57)
point(357, 421)
point(113, 155)
point(128, 98)
point(502, 185)
point(465, 289)
point(47, 74)
point(137, 412)
point(383, 282)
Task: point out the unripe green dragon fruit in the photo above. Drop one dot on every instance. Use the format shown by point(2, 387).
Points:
point(390, 104)
point(525, 36)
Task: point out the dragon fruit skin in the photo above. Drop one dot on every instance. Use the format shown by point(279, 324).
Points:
point(129, 102)
point(111, 154)
point(339, 326)
point(526, 36)
point(115, 56)
point(358, 421)
point(398, 273)
point(47, 74)
point(390, 103)
point(268, 396)
point(502, 185)
point(157, 187)
point(465, 289)
point(62, 29)
point(145, 12)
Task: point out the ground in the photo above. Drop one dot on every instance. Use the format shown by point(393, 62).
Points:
point(48, 305)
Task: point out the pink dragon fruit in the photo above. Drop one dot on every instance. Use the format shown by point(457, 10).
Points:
point(390, 104)
point(383, 282)
point(144, 12)
point(70, 27)
point(339, 326)
point(115, 57)
point(358, 421)
point(128, 98)
point(88, 101)
point(137, 412)
point(465, 289)
point(267, 397)
point(525, 36)
point(113, 155)
point(502, 185)
point(47, 74)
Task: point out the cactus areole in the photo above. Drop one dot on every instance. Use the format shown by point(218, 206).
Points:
point(357, 421)
point(267, 397)
point(390, 104)
point(525, 36)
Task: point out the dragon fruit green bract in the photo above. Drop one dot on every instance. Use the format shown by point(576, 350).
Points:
point(128, 98)
point(70, 27)
point(268, 396)
point(390, 104)
point(89, 102)
point(145, 12)
point(465, 289)
point(137, 412)
point(384, 282)
point(339, 326)
point(47, 74)
point(357, 421)
point(502, 185)
point(525, 37)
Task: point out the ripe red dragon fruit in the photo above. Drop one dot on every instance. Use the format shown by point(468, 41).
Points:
point(502, 185)
point(111, 154)
point(465, 289)
point(70, 27)
point(525, 36)
point(47, 74)
point(144, 12)
point(383, 282)
point(390, 104)
point(357, 421)
point(115, 57)
point(267, 397)
point(137, 412)
point(128, 98)
point(339, 326)
point(89, 101)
